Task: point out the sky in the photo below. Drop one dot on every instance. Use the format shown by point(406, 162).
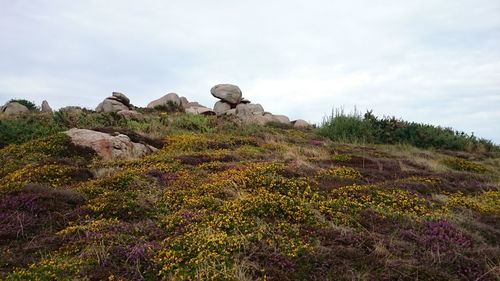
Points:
point(429, 61)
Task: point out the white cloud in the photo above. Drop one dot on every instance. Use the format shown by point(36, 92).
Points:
point(428, 61)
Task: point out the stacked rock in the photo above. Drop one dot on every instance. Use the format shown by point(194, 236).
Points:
point(118, 103)
point(231, 102)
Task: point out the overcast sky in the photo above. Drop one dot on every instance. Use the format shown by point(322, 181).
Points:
point(431, 61)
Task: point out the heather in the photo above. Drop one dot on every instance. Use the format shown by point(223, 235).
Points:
point(221, 200)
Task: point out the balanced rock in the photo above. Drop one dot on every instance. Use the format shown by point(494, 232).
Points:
point(115, 103)
point(14, 109)
point(107, 146)
point(170, 98)
point(121, 98)
point(46, 107)
point(221, 107)
point(227, 92)
point(301, 124)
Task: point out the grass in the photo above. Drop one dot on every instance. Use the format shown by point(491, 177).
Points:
point(225, 201)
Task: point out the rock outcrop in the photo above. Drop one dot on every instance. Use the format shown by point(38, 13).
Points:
point(109, 147)
point(300, 124)
point(117, 102)
point(170, 98)
point(46, 107)
point(231, 102)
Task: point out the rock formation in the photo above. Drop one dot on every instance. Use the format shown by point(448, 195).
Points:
point(107, 146)
point(231, 102)
point(171, 98)
point(14, 109)
point(117, 102)
point(46, 107)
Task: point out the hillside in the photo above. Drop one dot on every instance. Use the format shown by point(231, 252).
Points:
point(215, 198)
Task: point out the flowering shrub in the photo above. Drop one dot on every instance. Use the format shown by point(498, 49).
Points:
point(442, 237)
point(342, 172)
point(342, 157)
point(485, 202)
point(464, 165)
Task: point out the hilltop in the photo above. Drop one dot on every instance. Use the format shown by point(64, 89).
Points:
point(164, 194)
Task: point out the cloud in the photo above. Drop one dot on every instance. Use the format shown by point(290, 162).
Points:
point(427, 61)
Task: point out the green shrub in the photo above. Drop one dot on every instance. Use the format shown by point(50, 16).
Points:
point(343, 127)
point(29, 104)
point(389, 130)
point(24, 128)
point(198, 123)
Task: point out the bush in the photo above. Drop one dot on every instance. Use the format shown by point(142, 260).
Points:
point(29, 104)
point(25, 128)
point(199, 123)
point(346, 127)
point(355, 128)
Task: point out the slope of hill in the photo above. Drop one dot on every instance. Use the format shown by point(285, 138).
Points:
point(220, 200)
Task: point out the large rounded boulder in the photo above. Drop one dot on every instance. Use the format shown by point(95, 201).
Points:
point(170, 98)
point(228, 93)
point(109, 147)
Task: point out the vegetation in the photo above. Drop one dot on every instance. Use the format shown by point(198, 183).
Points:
point(225, 201)
point(354, 127)
point(29, 104)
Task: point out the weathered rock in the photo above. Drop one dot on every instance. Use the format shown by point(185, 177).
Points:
point(165, 100)
point(231, 111)
point(121, 98)
point(249, 109)
point(107, 146)
point(130, 114)
point(301, 124)
point(199, 110)
point(281, 119)
point(193, 104)
point(184, 101)
point(14, 109)
point(115, 103)
point(227, 92)
point(111, 105)
point(46, 107)
point(259, 119)
point(220, 107)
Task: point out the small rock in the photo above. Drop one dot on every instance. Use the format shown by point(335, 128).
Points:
point(301, 124)
point(46, 107)
point(170, 97)
point(107, 146)
point(220, 107)
point(244, 101)
point(227, 92)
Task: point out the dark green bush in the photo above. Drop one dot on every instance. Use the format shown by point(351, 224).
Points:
point(343, 127)
point(29, 104)
point(389, 130)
